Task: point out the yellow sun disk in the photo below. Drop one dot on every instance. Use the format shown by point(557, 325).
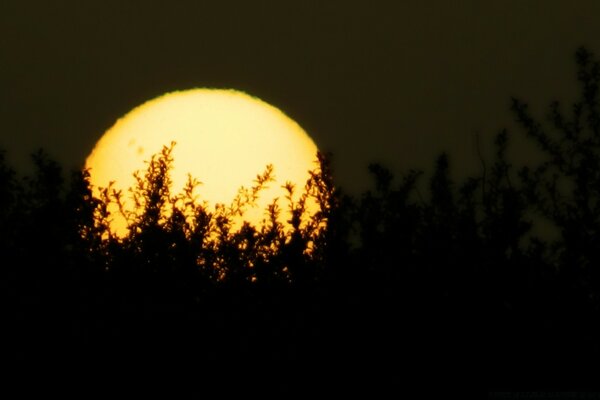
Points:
point(224, 139)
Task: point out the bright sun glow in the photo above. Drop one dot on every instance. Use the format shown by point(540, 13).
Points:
point(224, 138)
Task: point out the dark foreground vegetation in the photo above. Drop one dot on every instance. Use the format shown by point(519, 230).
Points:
point(386, 292)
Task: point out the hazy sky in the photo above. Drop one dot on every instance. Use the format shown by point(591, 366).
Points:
point(389, 81)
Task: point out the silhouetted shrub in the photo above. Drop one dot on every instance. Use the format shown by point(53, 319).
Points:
point(385, 275)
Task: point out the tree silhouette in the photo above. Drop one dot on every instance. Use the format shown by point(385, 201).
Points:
point(366, 285)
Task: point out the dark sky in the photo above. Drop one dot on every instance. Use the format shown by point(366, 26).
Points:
point(389, 81)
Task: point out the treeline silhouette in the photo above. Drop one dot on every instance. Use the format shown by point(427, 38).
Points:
point(382, 291)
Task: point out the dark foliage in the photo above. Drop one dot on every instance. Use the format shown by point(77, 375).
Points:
point(378, 292)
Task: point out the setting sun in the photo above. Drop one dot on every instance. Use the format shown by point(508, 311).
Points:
point(224, 138)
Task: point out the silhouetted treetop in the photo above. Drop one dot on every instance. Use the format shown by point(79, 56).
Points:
point(456, 273)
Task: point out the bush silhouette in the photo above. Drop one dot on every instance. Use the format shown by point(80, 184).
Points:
point(368, 285)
